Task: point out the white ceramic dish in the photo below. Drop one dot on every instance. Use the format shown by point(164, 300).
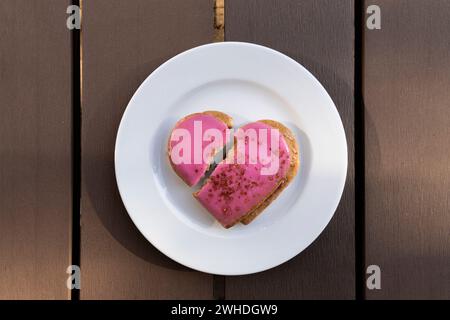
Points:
point(249, 82)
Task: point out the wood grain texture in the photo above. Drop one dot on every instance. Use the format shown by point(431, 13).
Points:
point(35, 149)
point(123, 42)
point(407, 111)
point(319, 35)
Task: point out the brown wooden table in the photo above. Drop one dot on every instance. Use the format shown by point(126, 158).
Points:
point(62, 94)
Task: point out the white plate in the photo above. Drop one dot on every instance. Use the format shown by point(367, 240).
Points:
point(248, 82)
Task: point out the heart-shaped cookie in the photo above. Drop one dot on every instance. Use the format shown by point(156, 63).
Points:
point(262, 162)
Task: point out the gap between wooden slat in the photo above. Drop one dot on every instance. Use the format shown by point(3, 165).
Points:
point(76, 149)
point(219, 20)
point(359, 135)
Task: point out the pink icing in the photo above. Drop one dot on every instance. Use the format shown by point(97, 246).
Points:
point(235, 189)
point(192, 172)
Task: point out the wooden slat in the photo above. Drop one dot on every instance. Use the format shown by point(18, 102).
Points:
point(35, 149)
point(320, 35)
point(407, 101)
point(123, 42)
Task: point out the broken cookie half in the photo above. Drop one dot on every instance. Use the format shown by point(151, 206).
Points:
point(194, 143)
